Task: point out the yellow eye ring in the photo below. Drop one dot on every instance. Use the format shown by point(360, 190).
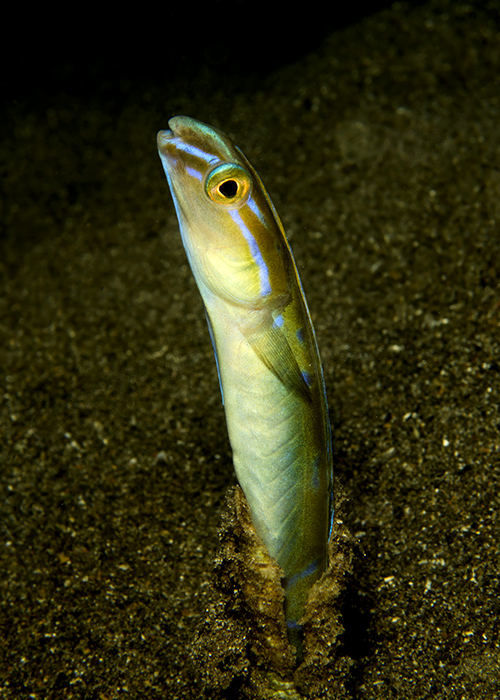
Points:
point(228, 184)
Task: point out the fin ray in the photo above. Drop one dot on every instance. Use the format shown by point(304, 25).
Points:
point(273, 349)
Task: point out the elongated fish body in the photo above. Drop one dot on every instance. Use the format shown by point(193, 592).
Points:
point(269, 368)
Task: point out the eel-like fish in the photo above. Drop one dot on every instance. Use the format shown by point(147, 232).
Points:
point(268, 362)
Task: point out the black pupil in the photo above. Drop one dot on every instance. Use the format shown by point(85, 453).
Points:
point(228, 189)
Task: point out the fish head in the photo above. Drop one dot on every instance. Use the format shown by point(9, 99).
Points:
point(230, 229)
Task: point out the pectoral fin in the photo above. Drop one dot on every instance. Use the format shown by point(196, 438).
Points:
point(272, 348)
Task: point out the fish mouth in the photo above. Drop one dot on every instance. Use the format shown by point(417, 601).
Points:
point(175, 128)
point(173, 122)
point(164, 138)
point(182, 124)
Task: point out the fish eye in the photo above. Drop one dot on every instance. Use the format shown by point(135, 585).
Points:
point(228, 188)
point(228, 184)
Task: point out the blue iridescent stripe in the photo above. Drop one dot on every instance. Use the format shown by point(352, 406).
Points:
point(255, 250)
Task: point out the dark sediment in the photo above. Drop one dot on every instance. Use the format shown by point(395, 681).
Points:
point(381, 152)
point(243, 641)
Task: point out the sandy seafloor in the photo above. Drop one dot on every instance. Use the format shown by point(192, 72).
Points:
point(381, 151)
